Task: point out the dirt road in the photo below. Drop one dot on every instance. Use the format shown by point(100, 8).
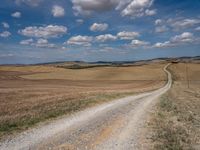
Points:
point(116, 125)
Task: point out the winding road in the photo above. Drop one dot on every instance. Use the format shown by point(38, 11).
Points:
point(112, 126)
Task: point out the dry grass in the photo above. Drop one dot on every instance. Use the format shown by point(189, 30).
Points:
point(176, 123)
point(144, 72)
point(32, 94)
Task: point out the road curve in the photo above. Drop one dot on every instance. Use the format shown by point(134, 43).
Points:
point(115, 125)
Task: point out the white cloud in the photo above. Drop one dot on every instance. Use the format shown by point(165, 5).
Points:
point(5, 25)
point(58, 11)
point(150, 12)
point(158, 22)
point(44, 32)
point(138, 43)
point(161, 29)
point(64, 48)
point(29, 2)
point(160, 26)
point(125, 35)
point(162, 45)
point(122, 4)
point(105, 38)
point(16, 14)
point(182, 23)
point(137, 8)
point(197, 29)
point(39, 43)
point(99, 27)
point(86, 7)
point(107, 48)
point(44, 43)
point(133, 8)
point(176, 24)
point(183, 38)
point(5, 34)
point(26, 42)
point(80, 40)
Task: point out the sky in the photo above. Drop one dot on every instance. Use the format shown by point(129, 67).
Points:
point(37, 31)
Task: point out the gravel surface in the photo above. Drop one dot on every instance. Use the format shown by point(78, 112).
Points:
point(115, 125)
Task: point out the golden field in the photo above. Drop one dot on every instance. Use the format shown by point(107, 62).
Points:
point(31, 94)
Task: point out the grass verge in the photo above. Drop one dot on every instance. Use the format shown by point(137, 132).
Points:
point(174, 125)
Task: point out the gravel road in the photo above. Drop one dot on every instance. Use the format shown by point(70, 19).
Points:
point(115, 125)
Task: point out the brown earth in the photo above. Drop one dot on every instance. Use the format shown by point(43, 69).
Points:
point(31, 94)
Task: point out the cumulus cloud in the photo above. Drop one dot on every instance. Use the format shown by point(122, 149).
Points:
point(138, 43)
point(44, 32)
point(86, 7)
point(182, 23)
point(125, 35)
point(5, 34)
point(16, 14)
point(29, 2)
point(105, 38)
point(162, 45)
point(64, 48)
point(122, 4)
point(160, 26)
point(26, 42)
point(137, 8)
point(99, 27)
point(39, 43)
point(58, 11)
point(176, 24)
point(5, 25)
point(133, 8)
point(183, 38)
point(197, 28)
point(80, 40)
point(150, 12)
point(44, 43)
point(158, 22)
point(161, 29)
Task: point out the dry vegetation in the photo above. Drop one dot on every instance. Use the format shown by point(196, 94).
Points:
point(176, 123)
point(145, 72)
point(31, 94)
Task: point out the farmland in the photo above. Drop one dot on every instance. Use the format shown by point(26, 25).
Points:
point(35, 93)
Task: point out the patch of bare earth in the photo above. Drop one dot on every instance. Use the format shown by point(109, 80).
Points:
point(175, 123)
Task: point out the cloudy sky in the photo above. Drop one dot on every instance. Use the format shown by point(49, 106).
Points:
point(33, 31)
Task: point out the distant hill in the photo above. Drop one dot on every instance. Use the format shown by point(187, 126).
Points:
point(82, 64)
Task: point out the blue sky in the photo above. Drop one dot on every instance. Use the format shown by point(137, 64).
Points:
point(34, 31)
